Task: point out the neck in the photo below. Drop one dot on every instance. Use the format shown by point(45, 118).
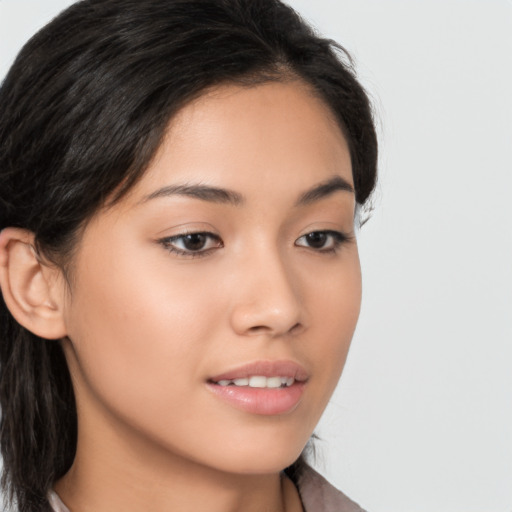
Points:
point(114, 470)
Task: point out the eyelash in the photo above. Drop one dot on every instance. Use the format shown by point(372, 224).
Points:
point(169, 241)
point(337, 240)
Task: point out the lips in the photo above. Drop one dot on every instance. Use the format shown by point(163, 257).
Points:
point(259, 381)
point(287, 369)
point(263, 387)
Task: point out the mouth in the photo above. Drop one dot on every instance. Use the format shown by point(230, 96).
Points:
point(264, 387)
point(258, 381)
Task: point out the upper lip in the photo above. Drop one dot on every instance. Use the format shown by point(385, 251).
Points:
point(264, 369)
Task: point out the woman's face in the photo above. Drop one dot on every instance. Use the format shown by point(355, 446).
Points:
point(234, 258)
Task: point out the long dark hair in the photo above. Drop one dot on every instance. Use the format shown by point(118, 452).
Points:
point(83, 110)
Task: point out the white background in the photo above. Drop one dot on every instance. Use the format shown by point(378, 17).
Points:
point(422, 420)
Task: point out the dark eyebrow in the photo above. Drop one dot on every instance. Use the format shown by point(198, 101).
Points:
point(203, 192)
point(324, 189)
point(225, 196)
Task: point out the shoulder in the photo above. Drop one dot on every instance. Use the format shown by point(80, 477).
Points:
point(318, 495)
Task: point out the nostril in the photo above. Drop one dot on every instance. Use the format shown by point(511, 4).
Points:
point(262, 329)
point(296, 327)
point(259, 329)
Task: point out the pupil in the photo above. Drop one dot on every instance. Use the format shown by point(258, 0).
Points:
point(195, 241)
point(316, 239)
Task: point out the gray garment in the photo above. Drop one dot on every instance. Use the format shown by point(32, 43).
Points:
point(56, 502)
point(317, 495)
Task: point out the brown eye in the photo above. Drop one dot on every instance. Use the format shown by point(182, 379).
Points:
point(192, 244)
point(194, 241)
point(322, 241)
point(317, 239)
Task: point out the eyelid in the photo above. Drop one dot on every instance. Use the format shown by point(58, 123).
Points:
point(167, 243)
point(339, 238)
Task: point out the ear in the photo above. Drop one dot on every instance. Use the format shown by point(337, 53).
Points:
point(33, 291)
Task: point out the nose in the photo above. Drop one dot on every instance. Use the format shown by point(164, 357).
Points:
point(267, 298)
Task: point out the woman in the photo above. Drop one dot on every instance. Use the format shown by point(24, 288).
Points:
point(178, 265)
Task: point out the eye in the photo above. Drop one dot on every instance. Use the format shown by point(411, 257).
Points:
point(322, 241)
point(192, 244)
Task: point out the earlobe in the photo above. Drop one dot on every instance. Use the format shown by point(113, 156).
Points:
point(32, 290)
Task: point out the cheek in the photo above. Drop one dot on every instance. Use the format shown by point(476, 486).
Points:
point(136, 333)
point(334, 308)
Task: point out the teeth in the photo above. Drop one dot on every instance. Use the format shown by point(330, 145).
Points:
point(259, 381)
point(273, 382)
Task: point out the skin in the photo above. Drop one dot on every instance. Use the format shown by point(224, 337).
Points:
point(147, 327)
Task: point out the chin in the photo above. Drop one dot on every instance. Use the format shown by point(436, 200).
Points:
point(259, 457)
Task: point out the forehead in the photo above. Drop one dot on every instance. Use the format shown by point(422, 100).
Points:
point(271, 137)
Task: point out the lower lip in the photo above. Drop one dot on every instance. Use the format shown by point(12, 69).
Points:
point(264, 401)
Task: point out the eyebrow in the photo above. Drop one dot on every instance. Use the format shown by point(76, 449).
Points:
point(225, 196)
point(203, 192)
point(324, 190)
